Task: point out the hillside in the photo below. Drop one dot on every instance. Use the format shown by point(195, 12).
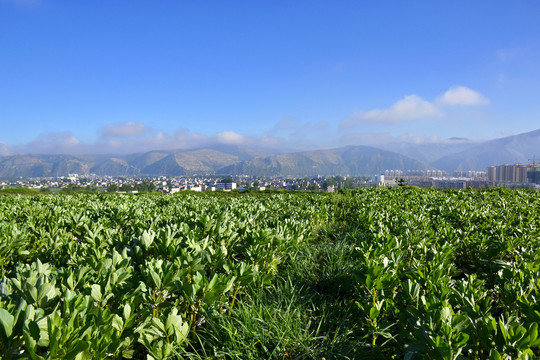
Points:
point(174, 163)
point(27, 165)
point(508, 150)
point(349, 160)
point(430, 151)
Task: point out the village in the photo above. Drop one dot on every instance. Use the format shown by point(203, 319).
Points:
point(171, 184)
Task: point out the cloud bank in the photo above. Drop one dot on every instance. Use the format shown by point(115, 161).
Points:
point(134, 137)
point(288, 134)
point(414, 107)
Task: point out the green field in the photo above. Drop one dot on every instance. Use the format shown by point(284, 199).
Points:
point(377, 273)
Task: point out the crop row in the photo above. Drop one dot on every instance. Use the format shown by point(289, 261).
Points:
point(88, 277)
point(445, 275)
point(432, 274)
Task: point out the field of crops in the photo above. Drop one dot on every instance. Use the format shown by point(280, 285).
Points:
point(372, 273)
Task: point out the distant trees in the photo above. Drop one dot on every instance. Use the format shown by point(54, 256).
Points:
point(227, 179)
point(145, 186)
point(348, 183)
point(112, 188)
point(327, 183)
point(401, 182)
point(70, 189)
point(126, 188)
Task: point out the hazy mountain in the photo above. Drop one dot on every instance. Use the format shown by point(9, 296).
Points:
point(114, 166)
point(508, 150)
point(140, 161)
point(197, 161)
point(169, 165)
point(27, 165)
point(351, 160)
point(431, 151)
point(174, 163)
point(450, 155)
point(245, 152)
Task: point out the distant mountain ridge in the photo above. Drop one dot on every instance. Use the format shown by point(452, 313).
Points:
point(508, 150)
point(173, 163)
point(449, 155)
point(349, 160)
point(432, 151)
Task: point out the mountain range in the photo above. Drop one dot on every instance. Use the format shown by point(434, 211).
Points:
point(449, 155)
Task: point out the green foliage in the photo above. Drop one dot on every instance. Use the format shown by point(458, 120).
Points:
point(439, 273)
point(145, 186)
point(72, 189)
point(370, 273)
point(328, 182)
point(18, 190)
point(112, 188)
point(227, 179)
point(95, 277)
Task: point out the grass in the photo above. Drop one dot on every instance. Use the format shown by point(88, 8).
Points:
point(271, 323)
point(309, 311)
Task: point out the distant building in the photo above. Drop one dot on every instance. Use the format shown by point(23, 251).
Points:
point(378, 179)
point(393, 173)
point(226, 186)
point(517, 173)
point(533, 176)
point(450, 184)
point(423, 183)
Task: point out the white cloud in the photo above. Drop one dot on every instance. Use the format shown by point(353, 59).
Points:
point(54, 143)
point(230, 138)
point(409, 108)
point(125, 139)
point(414, 107)
point(462, 96)
point(127, 129)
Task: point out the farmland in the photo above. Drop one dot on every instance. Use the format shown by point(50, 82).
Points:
point(371, 273)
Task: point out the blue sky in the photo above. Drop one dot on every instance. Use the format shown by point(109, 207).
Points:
point(127, 75)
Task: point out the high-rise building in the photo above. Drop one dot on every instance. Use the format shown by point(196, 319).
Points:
point(517, 173)
point(533, 176)
point(492, 173)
